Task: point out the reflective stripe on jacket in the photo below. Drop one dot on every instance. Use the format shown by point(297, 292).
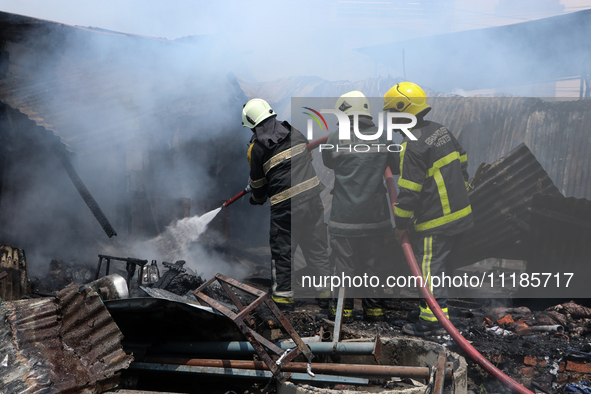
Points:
point(282, 170)
point(432, 183)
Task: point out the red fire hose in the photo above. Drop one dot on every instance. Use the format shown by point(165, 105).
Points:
point(449, 327)
point(236, 197)
point(311, 146)
point(314, 144)
point(414, 267)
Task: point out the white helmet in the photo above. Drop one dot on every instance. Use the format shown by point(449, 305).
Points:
point(352, 102)
point(255, 111)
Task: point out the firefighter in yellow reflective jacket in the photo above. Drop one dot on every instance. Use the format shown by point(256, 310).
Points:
point(281, 169)
point(433, 196)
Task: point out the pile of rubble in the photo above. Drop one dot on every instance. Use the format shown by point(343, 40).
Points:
point(139, 332)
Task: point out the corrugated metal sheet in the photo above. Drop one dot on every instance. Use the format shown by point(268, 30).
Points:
point(501, 202)
point(557, 132)
point(88, 329)
point(67, 344)
point(14, 263)
point(29, 339)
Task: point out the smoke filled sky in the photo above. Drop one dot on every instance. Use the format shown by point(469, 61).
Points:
point(274, 39)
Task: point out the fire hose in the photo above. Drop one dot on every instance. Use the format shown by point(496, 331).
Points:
point(311, 146)
point(430, 300)
point(426, 293)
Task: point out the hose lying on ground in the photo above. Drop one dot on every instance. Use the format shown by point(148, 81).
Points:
point(449, 327)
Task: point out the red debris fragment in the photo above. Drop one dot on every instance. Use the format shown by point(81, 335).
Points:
point(506, 320)
point(528, 360)
point(522, 328)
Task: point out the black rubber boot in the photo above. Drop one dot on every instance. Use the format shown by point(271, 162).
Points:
point(424, 328)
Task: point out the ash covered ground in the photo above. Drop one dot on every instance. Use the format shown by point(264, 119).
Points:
point(537, 360)
point(505, 331)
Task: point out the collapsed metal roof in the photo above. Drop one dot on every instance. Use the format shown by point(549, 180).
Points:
point(536, 51)
point(501, 202)
point(43, 338)
point(96, 88)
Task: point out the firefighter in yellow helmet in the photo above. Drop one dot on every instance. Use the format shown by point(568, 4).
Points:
point(433, 198)
point(281, 170)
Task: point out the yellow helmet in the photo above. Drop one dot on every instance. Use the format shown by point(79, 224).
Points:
point(407, 97)
point(352, 102)
point(255, 111)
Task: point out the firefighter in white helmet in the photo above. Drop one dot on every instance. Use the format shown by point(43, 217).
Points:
point(433, 198)
point(281, 170)
point(360, 216)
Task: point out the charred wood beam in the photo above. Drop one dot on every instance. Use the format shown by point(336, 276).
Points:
point(84, 193)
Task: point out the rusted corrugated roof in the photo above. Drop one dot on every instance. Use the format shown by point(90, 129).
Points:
point(67, 344)
point(501, 201)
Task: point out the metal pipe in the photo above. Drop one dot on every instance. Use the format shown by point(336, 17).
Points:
point(551, 328)
point(245, 348)
point(338, 320)
point(430, 300)
point(328, 368)
point(246, 373)
point(314, 339)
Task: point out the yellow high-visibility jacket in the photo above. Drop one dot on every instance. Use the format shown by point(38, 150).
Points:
point(433, 183)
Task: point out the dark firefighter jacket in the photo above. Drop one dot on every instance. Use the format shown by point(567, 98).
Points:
point(280, 166)
point(359, 203)
point(433, 182)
